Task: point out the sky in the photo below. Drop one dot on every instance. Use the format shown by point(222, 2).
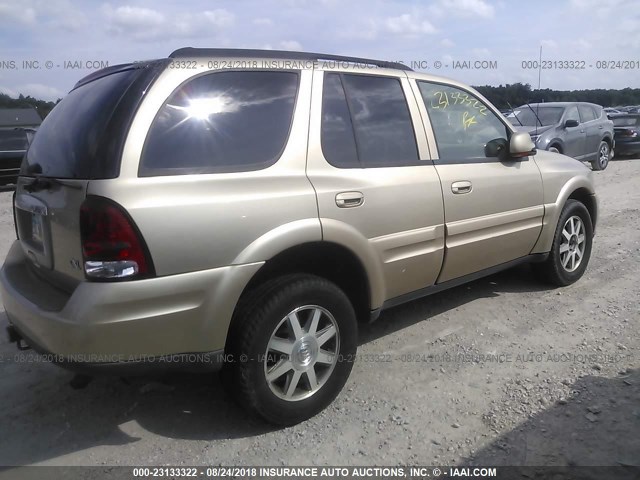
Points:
point(47, 45)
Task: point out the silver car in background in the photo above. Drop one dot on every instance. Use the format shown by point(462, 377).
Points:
point(576, 129)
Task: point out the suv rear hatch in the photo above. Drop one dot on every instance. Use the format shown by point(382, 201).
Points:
point(79, 141)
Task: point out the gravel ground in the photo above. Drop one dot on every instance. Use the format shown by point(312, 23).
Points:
point(502, 371)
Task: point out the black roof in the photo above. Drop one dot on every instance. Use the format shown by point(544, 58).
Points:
point(190, 52)
point(19, 117)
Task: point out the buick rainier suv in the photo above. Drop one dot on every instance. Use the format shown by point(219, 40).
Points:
point(245, 209)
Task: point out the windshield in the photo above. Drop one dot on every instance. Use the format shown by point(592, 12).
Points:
point(525, 116)
point(78, 138)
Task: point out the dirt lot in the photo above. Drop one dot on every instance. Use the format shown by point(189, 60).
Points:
point(503, 371)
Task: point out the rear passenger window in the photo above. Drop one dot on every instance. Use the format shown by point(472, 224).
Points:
point(222, 122)
point(374, 111)
point(586, 113)
point(338, 141)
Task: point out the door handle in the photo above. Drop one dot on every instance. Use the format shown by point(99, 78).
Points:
point(581, 131)
point(349, 199)
point(461, 187)
point(600, 127)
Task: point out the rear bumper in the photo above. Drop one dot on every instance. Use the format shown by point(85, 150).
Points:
point(120, 365)
point(627, 148)
point(179, 320)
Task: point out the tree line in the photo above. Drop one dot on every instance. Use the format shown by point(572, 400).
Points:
point(501, 96)
point(518, 94)
point(43, 107)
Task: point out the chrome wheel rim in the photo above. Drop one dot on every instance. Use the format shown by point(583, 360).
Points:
point(302, 353)
point(604, 155)
point(573, 244)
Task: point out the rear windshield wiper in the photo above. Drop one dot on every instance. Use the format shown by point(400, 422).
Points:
point(42, 183)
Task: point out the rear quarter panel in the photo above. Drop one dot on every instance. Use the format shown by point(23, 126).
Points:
point(203, 221)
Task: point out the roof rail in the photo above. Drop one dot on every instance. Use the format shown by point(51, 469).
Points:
point(280, 54)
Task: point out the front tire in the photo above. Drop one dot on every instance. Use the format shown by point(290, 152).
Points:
point(294, 346)
point(604, 152)
point(571, 247)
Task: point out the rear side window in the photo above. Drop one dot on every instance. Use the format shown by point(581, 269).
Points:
point(586, 113)
point(13, 140)
point(222, 122)
point(372, 110)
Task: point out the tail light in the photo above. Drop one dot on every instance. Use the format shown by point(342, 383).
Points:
point(112, 246)
point(628, 133)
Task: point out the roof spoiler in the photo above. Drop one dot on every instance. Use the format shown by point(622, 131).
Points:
point(116, 69)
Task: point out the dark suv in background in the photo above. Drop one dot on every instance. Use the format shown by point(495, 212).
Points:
point(627, 133)
point(577, 129)
point(13, 145)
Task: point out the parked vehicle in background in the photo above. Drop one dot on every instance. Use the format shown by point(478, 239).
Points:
point(13, 145)
point(627, 133)
point(577, 129)
point(250, 217)
point(612, 111)
point(17, 126)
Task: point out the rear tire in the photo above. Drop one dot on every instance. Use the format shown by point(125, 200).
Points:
point(604, 152)
point(293, 342)
point(554, 149)
point(571, 247)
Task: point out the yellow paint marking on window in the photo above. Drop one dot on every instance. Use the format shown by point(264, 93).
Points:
point(467, 120)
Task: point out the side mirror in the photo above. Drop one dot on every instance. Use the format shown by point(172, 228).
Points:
point(498, 147)
point(521, 145)
point(571, 123)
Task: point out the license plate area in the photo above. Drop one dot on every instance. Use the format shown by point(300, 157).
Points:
point(34, 230)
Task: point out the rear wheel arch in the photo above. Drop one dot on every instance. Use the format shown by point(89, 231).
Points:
point(327, 260)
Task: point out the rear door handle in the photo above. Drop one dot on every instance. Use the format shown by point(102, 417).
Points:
point(461, 187)
point(349, 199)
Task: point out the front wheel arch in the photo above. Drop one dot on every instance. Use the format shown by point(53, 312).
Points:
point(555, 270)
point(554, 147)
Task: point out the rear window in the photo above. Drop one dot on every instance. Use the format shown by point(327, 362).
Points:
point(13, 140)
point(625, 122)
point(222, 122)
point(81, 135)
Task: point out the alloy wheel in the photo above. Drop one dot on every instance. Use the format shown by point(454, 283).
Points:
point(302, 353)
point(603, 155)
point(573, 243)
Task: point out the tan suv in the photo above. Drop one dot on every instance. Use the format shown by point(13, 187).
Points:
point(248, 207)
